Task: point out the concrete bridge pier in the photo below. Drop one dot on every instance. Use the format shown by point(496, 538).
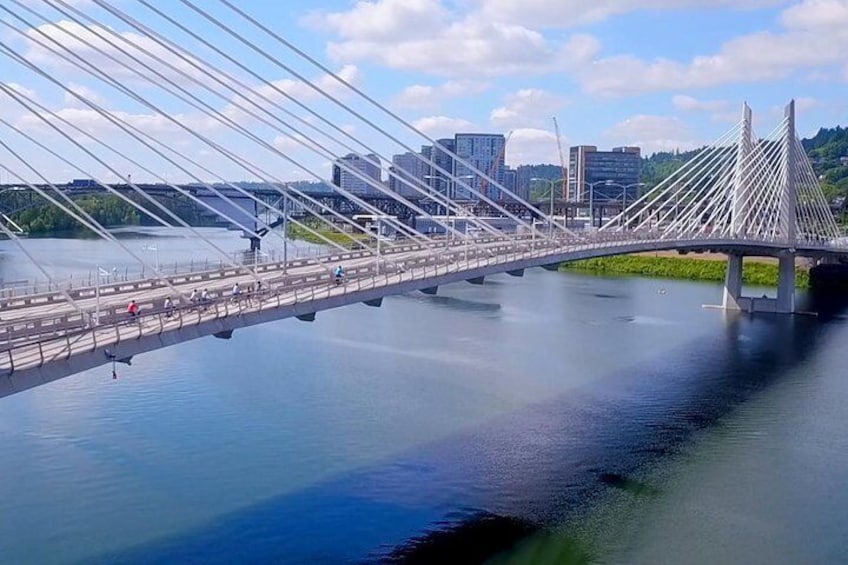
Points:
point(786, 284)
point(733, 283)
point(783, 304)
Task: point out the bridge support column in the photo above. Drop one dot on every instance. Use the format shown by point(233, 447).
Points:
point(733, 283)
point(786, 285)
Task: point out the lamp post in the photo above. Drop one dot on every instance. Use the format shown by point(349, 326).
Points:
point(155, 249)
point(552, 183)
point(624, 188)
point(446, 193)
point(439, 178)
point(100, 273)
point(591, 186)
point(285, 232)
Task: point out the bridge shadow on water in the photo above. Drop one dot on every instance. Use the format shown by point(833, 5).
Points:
point(454, 303)
point(473, 496)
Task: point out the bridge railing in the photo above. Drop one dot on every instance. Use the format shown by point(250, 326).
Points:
point(30, 343)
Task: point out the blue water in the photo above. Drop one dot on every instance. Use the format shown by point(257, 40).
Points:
point(525, 408)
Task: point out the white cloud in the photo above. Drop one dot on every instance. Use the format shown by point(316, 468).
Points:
point(817, 14)
point(531, 145)
point(426, 96)
point(571, 13)
point(690, 104)
point(653, 133)
point(422, 35)
point(90, 94)
point(525, 108)
point(441, 126)
point(94, 123)
point(87, 43)
point(803, 103)
point(269, 96)
point(384, 20)
point(809, 41)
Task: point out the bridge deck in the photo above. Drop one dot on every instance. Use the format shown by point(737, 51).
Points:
point(43, 337)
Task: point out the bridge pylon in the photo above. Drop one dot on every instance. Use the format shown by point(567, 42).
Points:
point(786, 216)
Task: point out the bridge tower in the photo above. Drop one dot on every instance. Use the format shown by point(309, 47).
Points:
point(788, 216)
point(733, 276)
point(786, 221)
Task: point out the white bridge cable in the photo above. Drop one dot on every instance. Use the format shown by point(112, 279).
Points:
point(666, 204)
point(334, 99)
point(762, 179)
point(813, 191)
point(142, 167)
point(748, 178)
point(698, 194)
point(86, 220)
point(760, 198)
point(40, 266)
point(216, 211)
point(633, 214)
point(15, 56)
point(696, 173)
point(197, 62)
point(702, 197)
point(311, 145)
point(125, 127)
point(220, 117)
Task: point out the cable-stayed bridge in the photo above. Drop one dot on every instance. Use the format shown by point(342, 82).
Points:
point(742, 195)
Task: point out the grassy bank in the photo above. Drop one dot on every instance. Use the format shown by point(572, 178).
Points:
point(293, 231)
point(688, 268)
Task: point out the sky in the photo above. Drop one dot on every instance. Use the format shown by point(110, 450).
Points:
point(660, 74)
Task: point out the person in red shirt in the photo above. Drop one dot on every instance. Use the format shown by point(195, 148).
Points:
point(132, 309)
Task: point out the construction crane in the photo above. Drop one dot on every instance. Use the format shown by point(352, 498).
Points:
point(484, 183)
point(561, 159)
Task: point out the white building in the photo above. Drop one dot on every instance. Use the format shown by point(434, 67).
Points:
point(368, 166)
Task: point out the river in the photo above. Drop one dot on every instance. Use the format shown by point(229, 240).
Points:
point(575, 416)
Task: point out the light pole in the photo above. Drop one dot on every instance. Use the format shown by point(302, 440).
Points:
point(379, 237)
point(624, 188)
point(285, 232)
point(155, 249)
point(440, 178)
point(552, 183)
point(100, 273)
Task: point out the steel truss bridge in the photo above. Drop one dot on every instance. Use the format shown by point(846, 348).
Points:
point(742, 195)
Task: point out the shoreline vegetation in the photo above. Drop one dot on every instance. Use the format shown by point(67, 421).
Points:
point(296, 232)
point(693, 267)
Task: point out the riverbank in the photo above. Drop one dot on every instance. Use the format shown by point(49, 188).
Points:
point(692, 267)
point(296, 232)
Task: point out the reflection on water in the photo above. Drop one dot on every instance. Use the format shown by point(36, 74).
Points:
point(529, 420)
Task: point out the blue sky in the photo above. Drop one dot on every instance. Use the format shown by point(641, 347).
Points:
point(663, 74)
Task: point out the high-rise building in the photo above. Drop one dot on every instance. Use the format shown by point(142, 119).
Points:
point(485, 152)
point(524, 179)
point(510, 182)
point(407, 166)
point(605, 175)
point(442, 159)
point(367, 165)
